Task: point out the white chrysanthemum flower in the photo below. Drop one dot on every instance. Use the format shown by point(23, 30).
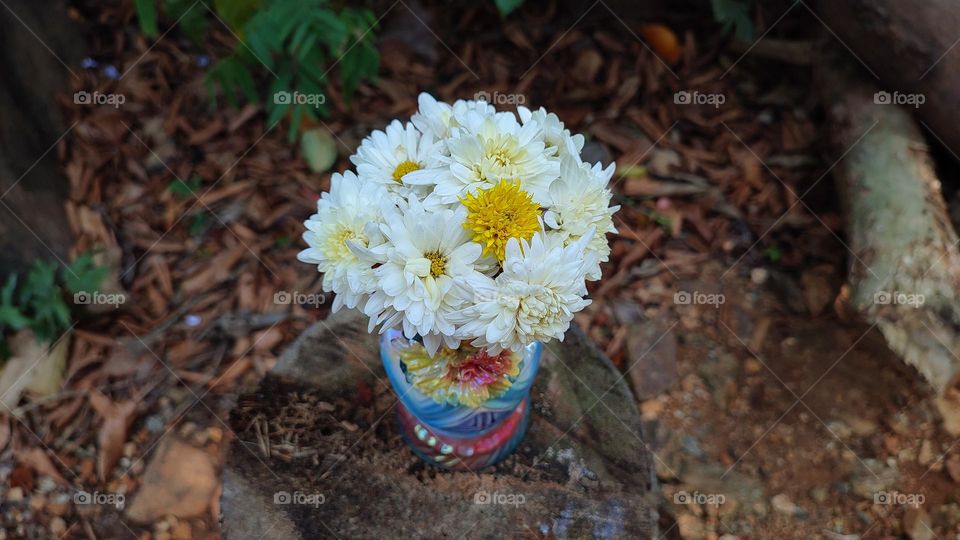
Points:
point(385, 157)
point(533, 299)
point(580, 205)
point(404, 239)
point(485, 150)
point(348, 214)
point(552, 132)
point(438, 118)
point(424, 252)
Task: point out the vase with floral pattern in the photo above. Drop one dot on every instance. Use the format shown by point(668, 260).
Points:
point(463, 408)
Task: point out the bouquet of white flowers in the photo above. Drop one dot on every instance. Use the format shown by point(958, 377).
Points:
point(465, 224)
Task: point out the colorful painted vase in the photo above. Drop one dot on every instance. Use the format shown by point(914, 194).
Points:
point(462, 409)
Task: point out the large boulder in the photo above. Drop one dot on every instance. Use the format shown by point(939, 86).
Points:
point(318, 454)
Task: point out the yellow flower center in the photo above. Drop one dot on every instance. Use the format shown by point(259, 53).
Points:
point(438, 263)
point(500, 157)
point(336, 246)
point(403, 168)
point(500, 213)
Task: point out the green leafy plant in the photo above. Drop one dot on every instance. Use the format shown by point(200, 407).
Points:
point(291, 44)
point(506, 7)
point(198, 223)
point(38, 302)
point(183, 189)
point(734, 15)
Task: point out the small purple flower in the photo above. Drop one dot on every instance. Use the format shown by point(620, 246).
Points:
point(111, 72)
point(203, 60)
point(88, 63)
point(193, 320)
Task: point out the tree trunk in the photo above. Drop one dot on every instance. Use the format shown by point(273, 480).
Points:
point(904, 272)
point(34, 38)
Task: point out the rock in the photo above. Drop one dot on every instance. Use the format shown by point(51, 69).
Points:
point(860, 426)
point(950, 412)
point(690, 527)
point(663, 161)
point(916, 524)
point(818, 291)
point(57, 526)
point(179, 481)
point(927, 455)
point(181, 531)
point(741, 493)
point(651, 409)
point(872, 476)
point(583, 468)
point(787, 291)
point(652, 348)
point(782, 503)
point(953, 468)
point(15, 494)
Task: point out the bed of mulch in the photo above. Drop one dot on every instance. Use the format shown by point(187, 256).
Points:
point(200, 210)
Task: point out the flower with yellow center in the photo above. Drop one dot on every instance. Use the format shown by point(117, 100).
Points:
point(500, 213)
point(466, 376)
point(438, 263)
point(423, 271)
point(385, 157)
point(403, 168)
point(347, 218)
point(484, 149)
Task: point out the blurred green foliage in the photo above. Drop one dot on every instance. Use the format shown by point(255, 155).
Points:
point(38, 302)
point(293, 44)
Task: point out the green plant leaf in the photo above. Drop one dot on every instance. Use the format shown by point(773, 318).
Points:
point(10, 315)
point(198, 223)
point(506, 7)
point(185, 189)
point(84, 275)
point(147, 16)
point(734, 14)
point(236, 13)
point(190, 16)
point(41, 279)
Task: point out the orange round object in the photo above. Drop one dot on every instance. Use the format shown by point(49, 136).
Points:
point(663, 41)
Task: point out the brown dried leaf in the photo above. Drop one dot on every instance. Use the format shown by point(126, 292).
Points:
point(117, 418)
point(39, 461)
